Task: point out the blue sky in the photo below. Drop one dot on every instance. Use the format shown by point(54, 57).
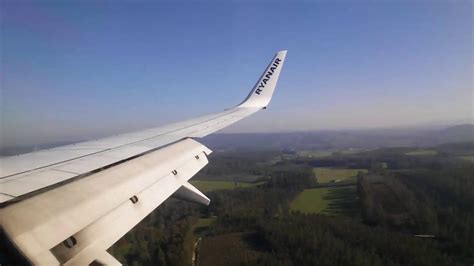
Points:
point(75, 70)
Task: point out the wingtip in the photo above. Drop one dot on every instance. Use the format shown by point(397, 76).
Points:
point(262, 92)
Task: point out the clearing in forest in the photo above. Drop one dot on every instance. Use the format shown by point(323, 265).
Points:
point(328, 200)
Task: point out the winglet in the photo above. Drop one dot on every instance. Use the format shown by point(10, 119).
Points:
point(262, 92)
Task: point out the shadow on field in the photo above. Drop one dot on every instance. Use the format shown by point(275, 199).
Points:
point(343, 201)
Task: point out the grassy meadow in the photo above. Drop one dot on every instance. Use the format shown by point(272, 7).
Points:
point(327, 200)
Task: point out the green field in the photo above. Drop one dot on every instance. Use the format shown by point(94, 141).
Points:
point(421, 153)
point(310, 200)
point(325, 175)
point(329, 200)
point(205, 186)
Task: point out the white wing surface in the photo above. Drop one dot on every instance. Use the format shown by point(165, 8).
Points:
point(68, 204)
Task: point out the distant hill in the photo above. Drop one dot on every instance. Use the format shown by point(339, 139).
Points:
point(457, 148)
point(326, 140)
point(458, 133)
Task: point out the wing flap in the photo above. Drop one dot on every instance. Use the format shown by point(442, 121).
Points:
point(102, 202)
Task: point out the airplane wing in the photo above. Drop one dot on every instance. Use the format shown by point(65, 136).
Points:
point(67, 205)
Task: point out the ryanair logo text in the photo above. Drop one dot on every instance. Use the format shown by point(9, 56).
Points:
point(267, 76)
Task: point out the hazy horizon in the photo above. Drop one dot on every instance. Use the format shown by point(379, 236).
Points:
point(75, 71)
point(51, 141)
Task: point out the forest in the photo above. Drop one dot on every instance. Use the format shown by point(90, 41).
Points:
point(411, 206)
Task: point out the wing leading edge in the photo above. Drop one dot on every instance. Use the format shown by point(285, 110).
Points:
point(68, 204)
